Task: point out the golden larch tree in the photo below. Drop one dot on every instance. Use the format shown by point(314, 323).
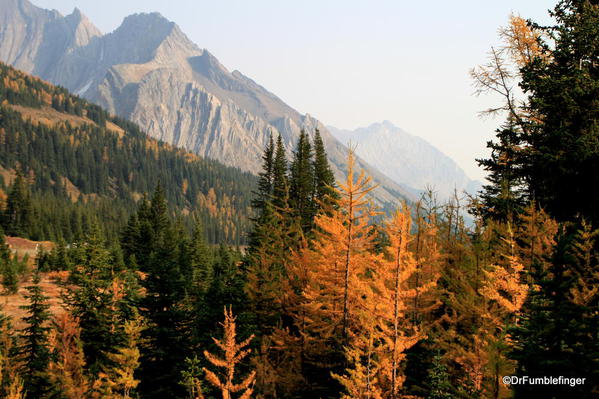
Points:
point(10, 381)
point(398, 289)
point(67, 371)
point(118, 380)
point(330, 286)
point(234, 353)
point(535, 236)
point(338, 260)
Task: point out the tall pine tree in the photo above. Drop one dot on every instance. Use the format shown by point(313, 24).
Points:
point(34, 350)
point(301, 182)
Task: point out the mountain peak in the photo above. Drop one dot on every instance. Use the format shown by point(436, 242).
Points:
point(77, 13)
point(146, 22)
point(144, 37)
point(83, 29)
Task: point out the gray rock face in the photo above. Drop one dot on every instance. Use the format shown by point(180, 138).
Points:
point(34, 39)
point(407, 159)
point(148, 71)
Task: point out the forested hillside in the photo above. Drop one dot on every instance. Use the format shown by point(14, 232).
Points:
point(65, 163)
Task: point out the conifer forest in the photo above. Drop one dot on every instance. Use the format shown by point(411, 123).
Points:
point(156, 273)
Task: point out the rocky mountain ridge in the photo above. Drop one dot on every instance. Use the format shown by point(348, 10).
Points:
point(407, 159)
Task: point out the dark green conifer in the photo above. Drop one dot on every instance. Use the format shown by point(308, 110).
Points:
point(561, 151)
point(200, 260)
point(100, 301)
point(165, 305)
point(438, 381)
point(505, 195)
point(265, 182)
point(34, 351)
point(130, 239)
point(18, 215)
point(324, 180)
point(280, 183)
point(301, 182)
point(8, 267)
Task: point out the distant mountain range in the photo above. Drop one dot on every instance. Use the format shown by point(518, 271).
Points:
point(409, 160)
point(148, 71)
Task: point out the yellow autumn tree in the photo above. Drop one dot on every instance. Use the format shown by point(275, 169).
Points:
point(521, 40)
point(234, 353)
point(361, 378)
point(535, 235)
point(10, 381)
point(429, 260)
point(67, 371)
point(397, 292)
point(485, 295)
point(504, 291)
point(501, 74)
point(365, 352)
point(332, 276)
point(118, 380)
point(376, 352)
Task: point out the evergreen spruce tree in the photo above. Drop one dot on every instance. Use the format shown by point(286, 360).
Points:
point(561, 142)
point(158, 213)
point(263, 197)
point(18, 215)
point(226, 289)
point(130, 239)
point(167, 337)
point(8, 267)
point(103, 298)
point(505, 196)
point(438, 380)
point(265, 181)
point(200, 261)
point(301, 183)
point(280, 182)
point(324, 180)
point(35, 352)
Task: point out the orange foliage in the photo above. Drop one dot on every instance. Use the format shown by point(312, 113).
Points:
point(337, 263)
point(503, 283)
point(8, 366)
point(396, 293)
point(67, 372)
point(522, 41)
point(536, 238)
point(233, 354)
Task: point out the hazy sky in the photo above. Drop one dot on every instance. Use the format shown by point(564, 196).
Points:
point(351, 63)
